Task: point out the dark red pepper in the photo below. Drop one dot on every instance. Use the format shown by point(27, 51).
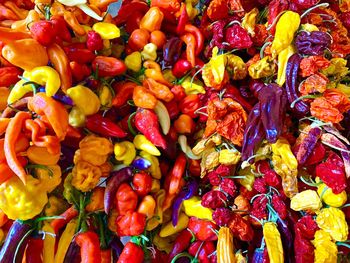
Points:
point(61, 28)
point(204, 251)
point(34, 250)
point(189, 105)
point(80, 55)
point(108, 66)
point(94, 41)
point(181, 243)
point(104, 126)
point(79, 71)
point(238, 37)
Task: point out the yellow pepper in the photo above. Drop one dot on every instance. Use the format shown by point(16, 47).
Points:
point(94, 149)
point(210, 159)
point(225, 247)
point(133, 61)
point(249, 21)
point(152, 20)
point(229, 157)
point(343, 88)
point(286, 165)
point(273, 242)
point(142, 143)
point(154, 169)
point(107, 48)
point(49, 243)
point(249, 178)
point(263, 68)
point(158, 213)
point(332, 220)
point(337, 68)
point(286, 27)
point(309, 27)
point(331, 199)
point(192, 12)
point(124, 151)
point(193, 207)
point(149, 52)
point(282, 64)
point(85, 176)
point(47, 76)
point(205, 144)
point(236, 67)
point(163, 243)
point(192, 88)
point(40, 155)
point(85, 99)
point(65, 240)
point(19, 90)
point(214, 71)
point(55, 206)
point(307, 200)
point(240, 258)
point(105, 96)
point(155, 185)
point(326, 250)
point(169, 229)
point(49, 177)
point(76, 117)
point(19, 201)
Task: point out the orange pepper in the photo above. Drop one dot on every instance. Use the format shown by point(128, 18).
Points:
point(22, 25)
point(152, 20)
point(184, 124)
point(73, 22)
point(60, 62)
point(50, 109)
point(190, 42)
point(159, 90)
point(22, 143)
point(154, 71)
point(101, 4)
point(20, 13)
point(7, 14)
point(147, 206)
point(3, 218)
point(26, 54)
point(4, 93)
point(143, 98)
point(6, 172)
point(8, 35)
point(96, 201)
point(123, 92)
point(168, 5)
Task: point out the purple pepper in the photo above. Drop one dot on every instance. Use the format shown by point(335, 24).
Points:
point(171, 51)
point(141, 164)
point(312, 43)
point(308, 145)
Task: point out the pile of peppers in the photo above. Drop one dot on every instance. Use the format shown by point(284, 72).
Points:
point(174, 131)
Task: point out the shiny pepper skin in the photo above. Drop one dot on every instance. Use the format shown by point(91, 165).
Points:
point(204, 251)
point(214, 199)
point(131, 224)
point(202, 229)
point(131, 253)
point(228, 186)
point(238, 37)
point(126, 199)
point(94, 41)
point(142, 183)
point(44, 32)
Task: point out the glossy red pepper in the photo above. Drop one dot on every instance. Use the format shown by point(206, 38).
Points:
point(80, 55)
point(183, 19)
point(173, 109)
point(126, 199)
point(199, 38)
point(34, 250)
point(204, 251)
point(61, 28)
point(181, 243)
point(79, 71)
point(104, 126)
point(108, 66)
point(94, 41)
point(123, 92)
point(89, 244)
point(9, 76)
point(189, 105)
point(131, 224)
point(181, 67)
point(202, 229)
point(65, 217)
point(44, 32)
point(179, 92)
point(131, 253)
point(142, 183)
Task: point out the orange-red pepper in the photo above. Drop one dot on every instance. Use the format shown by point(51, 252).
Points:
point(143, 98)
point(168, 5)
point(159, 90)
point(89, 244)
point(152, 20)
point(190, 42)
point(123, 92)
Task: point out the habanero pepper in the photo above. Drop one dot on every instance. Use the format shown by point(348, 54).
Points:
point(104, 126)
point(131, 253)
point(202, 229)
point(142, 183)
point(126, 199)
point(189, 105)
point(131, 224)
point(89, 244)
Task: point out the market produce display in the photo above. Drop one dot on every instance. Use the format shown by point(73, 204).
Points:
point(174, 131)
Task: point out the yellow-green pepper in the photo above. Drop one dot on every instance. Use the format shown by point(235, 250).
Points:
point(193, 207)
point(149, 52)
point(106, 30)
point(192, 88)
point(263, 68)
point(332, 220)
point(142, 143)
point(169, 229)
point(154, 169)
point(125, 152)
point(133, 61)
point(19, 90)
point(47, 76)
point(307, 200)
point(76, 117)
point(85, 99)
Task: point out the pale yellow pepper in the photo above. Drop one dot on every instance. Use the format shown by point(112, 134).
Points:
point(249, 178)
point(134, 61)
point(49, 243)
point(249, 21)
point(229, 157)
point(309, 27)
point(149, 52)
point(169, 229)
point(85, 99)
point(76, 117)
point(263, 68)
point(124, 151)
point(65, 240)
point(327, 195)
point(282, 64)
point(193, 207)
point(106, 30)
point(307, 200)
point(142, 143)
point(19, 90)
point(105, 96)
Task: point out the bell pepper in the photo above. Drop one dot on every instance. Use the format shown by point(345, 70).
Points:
point(89, 244)
point(147, 206)
point(108, 66)
point(131, 253)
point(65, 240)
point(142, 143)
point(332, 220)
point(131, 224)
point(154, 169)
point(149, 52)
point(193, 207)
point(124, 151)
point(133, 61)
point(60, 62)
point(85, 99)
point(106, 30)
point(169, 229)
point(152, 20)
point(273, 242)
point(45, 76)
point(103, 126)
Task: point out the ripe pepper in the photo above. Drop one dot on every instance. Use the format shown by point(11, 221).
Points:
point(89, 244)
point(9, 76)
point(104, 126)
point(61, 28)
point(157, 219)
point(202, 229)
point(307, 200)
point(123, 92)
point(328, 197)
point(193, 208)
point(25, 53)
point(169, 229)
point(147, 206)
point(154, 169)
point(190, 42)
point(152, 20)
point(85, 99)
point(108, 66)
point(60, 62)
point(203, 250)
point(131, 253)
point(146, 122)
point(106, 30)
point(44, 32)
point(159, 90)
point(142, 183)
point(79, 55)
point(65, 240)
point(273, 242)
point(149, 52)
point(332, 220)
point(225, 247)
point(237, 37)
point(283, 57)
point(168, 5)
point(49, 244)
point(133, 61)
point(124, 151)
point(126, 199)
point(143, 98)
point(85, 176)
point(55, 113)
point(175, 176)
point(325, 248)
point(131, 224)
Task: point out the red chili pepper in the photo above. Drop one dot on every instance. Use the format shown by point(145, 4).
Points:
point(181, 67)
point(317, 155)
point(204, 251)
point(198, 36)
point(131, 224)
point(106, 256)
point(190, 42)
point(9, 76)
point(174, 178)
point(108, 66)
point(67, 216)
point(94, 41)
point(202, 229)
point(189, 105)
point(233, 92)
point(89, 244)
point(167, 5)
point(34, 250)
point(183, 19)
point(181, 243)
point(173, 109)
point(241, 228)
point(104, 126)
point(179, 92)
point(142, 183)
point(44, 32)
point(133, 21)
point(128, 8)
point(80, 55)
point(123, 92)
point(146, 121)
point(131, 253)
point(61, 28)
point(126, 199)
point(79, 71)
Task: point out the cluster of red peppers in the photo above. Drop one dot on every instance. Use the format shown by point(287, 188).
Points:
point(174, 131)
